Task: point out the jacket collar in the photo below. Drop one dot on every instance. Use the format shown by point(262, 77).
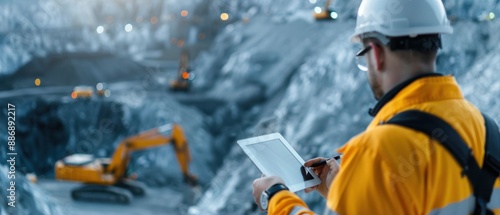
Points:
point(392, 93)
point(422, 90)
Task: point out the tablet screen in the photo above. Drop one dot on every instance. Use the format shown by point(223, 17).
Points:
point(279, 159)
point(274, 156)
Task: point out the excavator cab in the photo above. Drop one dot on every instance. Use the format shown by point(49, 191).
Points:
point(105, 179)
point(184, 77)
point(325, 13)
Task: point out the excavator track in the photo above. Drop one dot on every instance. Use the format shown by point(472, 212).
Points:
point(100, 193)
point(135, 187)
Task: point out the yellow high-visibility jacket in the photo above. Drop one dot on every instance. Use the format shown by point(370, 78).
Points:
point(389, 169)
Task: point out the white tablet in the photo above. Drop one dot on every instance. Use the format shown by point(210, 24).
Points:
point(273, 155)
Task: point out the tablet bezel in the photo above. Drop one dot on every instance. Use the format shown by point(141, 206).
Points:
point(244, 143)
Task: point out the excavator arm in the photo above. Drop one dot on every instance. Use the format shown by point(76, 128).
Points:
point(163, 135)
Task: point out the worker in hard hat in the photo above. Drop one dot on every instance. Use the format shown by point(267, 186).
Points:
point(390, 168)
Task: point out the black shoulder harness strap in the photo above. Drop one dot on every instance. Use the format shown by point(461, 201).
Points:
point(482, 180)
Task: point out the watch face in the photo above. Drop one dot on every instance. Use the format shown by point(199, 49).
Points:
point(263, 200)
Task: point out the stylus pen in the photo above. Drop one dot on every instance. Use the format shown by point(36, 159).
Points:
point(323, 162)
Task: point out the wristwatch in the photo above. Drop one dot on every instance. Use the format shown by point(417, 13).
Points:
point(267, 194)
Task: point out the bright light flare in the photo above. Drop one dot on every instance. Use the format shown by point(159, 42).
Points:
point(224, 16)
point(129, 27)
point(99, 86)
point(100, 29)
point(317, 10)
point(491, 15)
point(154, 20)
point(334, 15)
point(184, 13)
point(180, 43)
point(312, 1)
point(185, 75)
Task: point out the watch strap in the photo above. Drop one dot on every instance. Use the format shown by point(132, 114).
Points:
point(275, 189)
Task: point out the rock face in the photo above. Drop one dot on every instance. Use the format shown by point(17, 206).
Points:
point(72, 69)
point(28, 198)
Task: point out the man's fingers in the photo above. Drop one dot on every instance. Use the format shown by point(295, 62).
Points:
point(317, 171)
point(310, 189)
point(333, 165)
point(312, 161)
point(331, 162)
point(323, 169)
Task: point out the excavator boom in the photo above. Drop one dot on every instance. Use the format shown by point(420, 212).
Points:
point(170, 133)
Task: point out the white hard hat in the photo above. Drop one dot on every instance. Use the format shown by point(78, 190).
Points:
point(397, 18)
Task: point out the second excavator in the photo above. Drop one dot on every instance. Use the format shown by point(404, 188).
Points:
point(184, 76)
point(325, 13)
point(105, 179)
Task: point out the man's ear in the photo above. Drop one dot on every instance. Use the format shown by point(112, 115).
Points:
point(378, 52)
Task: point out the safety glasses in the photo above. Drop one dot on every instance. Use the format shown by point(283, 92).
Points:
point(361, 60)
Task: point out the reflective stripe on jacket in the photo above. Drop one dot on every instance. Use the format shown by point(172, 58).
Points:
point(389, 169)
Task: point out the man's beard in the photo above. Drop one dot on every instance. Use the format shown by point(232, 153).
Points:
point(375, 85)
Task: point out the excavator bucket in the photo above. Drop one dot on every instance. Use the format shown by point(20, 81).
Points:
point(191, 180)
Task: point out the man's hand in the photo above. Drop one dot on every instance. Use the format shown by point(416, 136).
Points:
point(326, 173)
point(262, 184)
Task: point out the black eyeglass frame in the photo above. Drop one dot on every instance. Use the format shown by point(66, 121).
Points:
point(364, 51)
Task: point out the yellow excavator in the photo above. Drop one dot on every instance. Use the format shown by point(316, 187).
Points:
point(325, 13)
point(184, 77)
point(105, 179)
